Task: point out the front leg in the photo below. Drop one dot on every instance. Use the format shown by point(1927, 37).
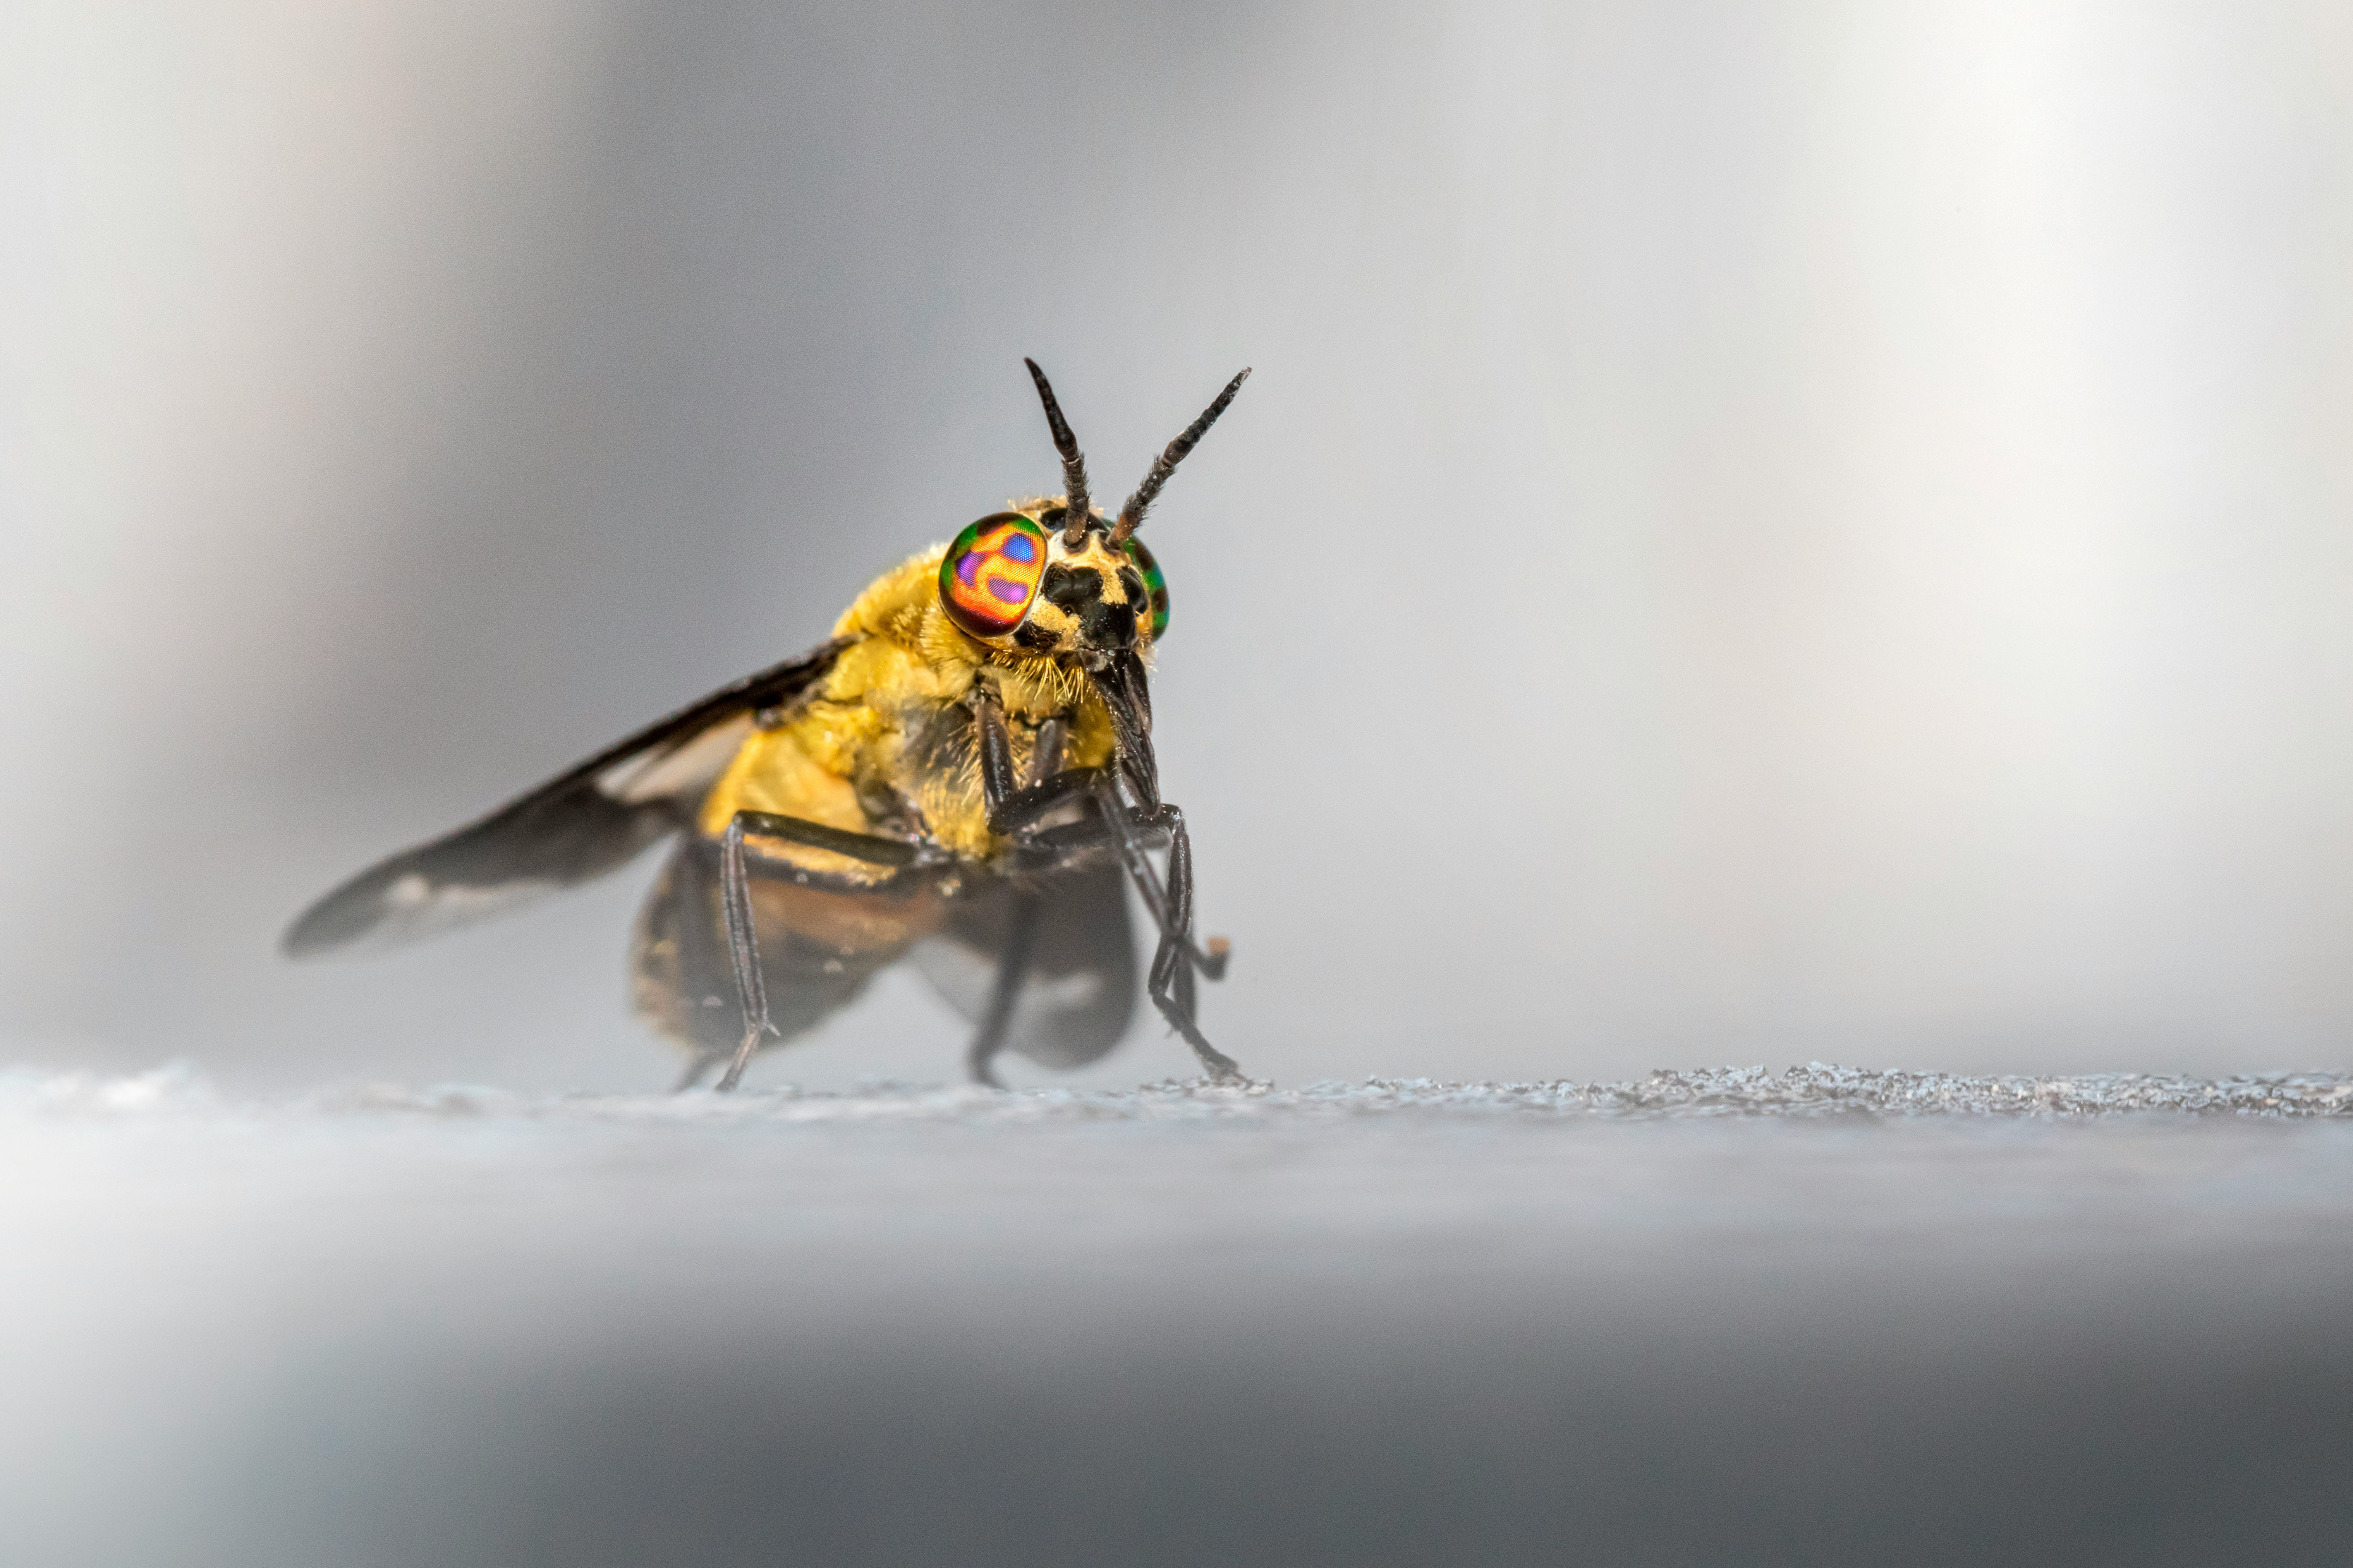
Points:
point(1014, 813)
point(1176, 961)
point(1012, 807)
point(999, 786)
point(1170, 985)
point(996, 749)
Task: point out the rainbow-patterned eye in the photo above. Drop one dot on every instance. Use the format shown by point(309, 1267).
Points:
point(990, 575)
point(1155, 585)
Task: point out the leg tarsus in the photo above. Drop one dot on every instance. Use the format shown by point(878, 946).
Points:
point(1166, 965)
point(742, 1058)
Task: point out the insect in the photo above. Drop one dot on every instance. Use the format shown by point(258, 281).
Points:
point(962, 775)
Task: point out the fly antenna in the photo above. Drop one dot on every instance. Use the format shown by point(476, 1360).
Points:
point(1077, 511)
point(1131, 516)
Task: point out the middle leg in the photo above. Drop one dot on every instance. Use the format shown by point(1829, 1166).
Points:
point(735, 905)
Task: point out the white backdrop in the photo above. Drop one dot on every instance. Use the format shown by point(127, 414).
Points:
point(1759, 532)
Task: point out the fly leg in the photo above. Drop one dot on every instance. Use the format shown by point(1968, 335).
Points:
point(1012, 808)
point(1170, 983)
point(1012, 968)
point(1014, 812)
point(1021, 935)
point(1176, 961)
point(735, 903)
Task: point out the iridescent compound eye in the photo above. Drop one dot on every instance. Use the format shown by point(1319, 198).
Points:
point(1154, 585)
point(990, 575)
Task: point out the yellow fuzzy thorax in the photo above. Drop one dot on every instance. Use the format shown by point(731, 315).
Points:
point(847, 754)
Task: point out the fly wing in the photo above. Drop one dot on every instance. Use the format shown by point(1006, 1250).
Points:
point(586, 821)
point(1078, 992)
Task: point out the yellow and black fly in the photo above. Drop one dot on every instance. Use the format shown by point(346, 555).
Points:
point(962, 775)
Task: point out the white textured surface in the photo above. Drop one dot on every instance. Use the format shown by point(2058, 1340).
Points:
point(1399, 1322)
point(1818, 1088)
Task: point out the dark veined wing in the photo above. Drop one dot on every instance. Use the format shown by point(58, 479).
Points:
point(586, 821)
point(1078, 993)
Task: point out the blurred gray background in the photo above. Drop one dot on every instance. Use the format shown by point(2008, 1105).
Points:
point(1760, 532)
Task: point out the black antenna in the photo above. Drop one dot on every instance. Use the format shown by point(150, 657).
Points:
point(1131, 516)
point(1074, 464)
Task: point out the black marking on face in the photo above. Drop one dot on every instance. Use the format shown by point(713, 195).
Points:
point(1032, 636)
point(1131, 582)
point(1078, 593)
